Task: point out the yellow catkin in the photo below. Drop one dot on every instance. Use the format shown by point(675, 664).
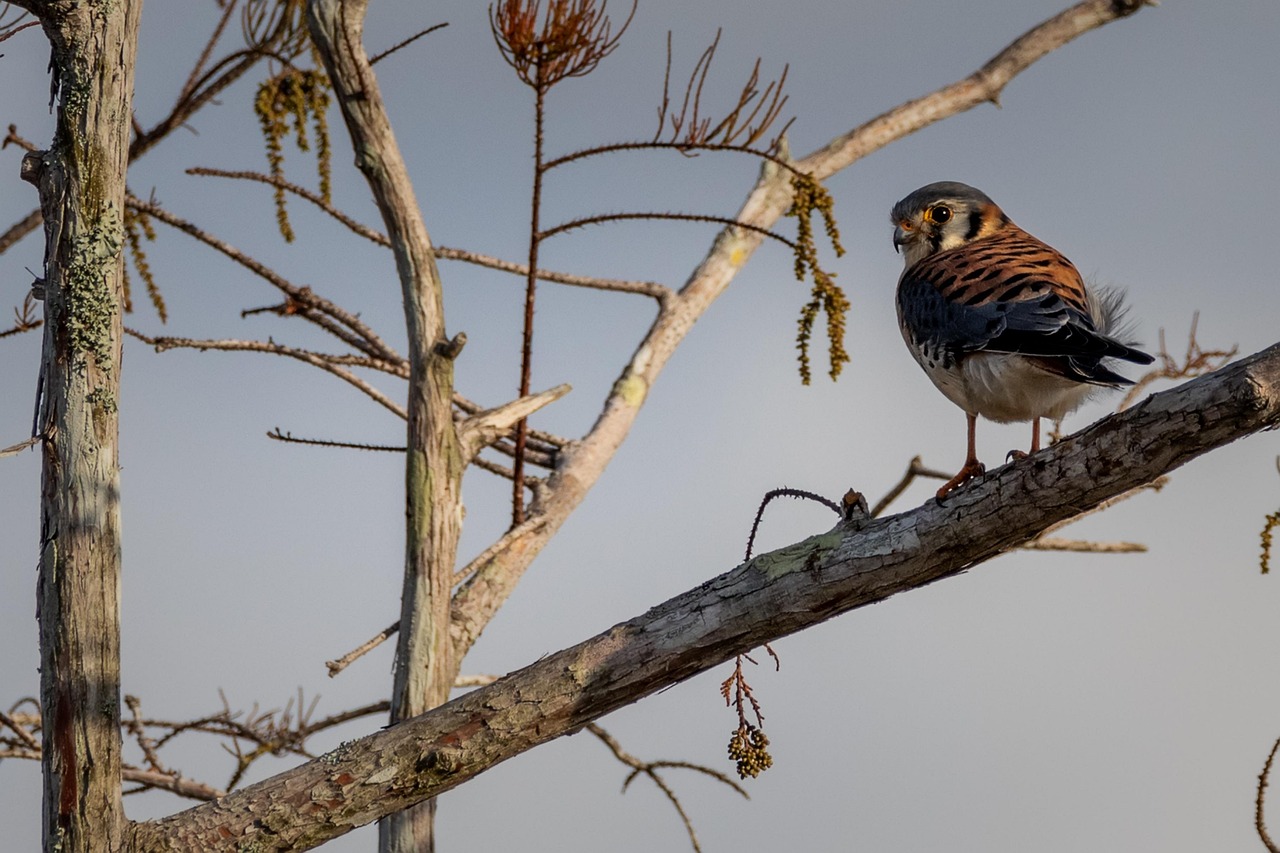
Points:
point(808, 197)
point(284, 104)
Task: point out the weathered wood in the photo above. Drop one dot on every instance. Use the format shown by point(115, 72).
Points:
point(425, 666)
point(773, 595)
point(81, 185)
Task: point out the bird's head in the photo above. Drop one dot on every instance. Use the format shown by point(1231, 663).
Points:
point(943, 216)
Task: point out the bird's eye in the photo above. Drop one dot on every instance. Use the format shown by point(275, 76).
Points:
point(938, 214)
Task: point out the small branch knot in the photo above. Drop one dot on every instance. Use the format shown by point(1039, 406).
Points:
point(442, 761)
point(452, 348)
point(853, 508)
point(32, 167)
point(1128, 7)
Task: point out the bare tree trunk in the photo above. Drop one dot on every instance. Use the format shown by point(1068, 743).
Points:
point(424, 668)
point(81, 182)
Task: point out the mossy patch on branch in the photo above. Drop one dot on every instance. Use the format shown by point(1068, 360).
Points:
point(91, 302)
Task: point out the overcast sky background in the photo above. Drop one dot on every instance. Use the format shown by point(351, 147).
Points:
point(1039, 702)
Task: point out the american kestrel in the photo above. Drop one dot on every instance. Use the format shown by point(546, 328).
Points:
point(1002, 323)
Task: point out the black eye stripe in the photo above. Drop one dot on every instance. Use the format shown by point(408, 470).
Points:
point(975, 224)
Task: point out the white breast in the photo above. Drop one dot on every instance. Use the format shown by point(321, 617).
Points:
point(1003, 387)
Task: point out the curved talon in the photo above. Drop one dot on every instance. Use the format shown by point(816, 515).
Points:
point(1016, 455)
point(972, 468)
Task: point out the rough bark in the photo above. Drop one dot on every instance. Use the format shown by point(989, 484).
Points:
point(81, 185)
point(424, 666)
point(779, 593)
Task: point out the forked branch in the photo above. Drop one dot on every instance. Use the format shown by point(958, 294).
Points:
point(744, 124)
point(650, 769)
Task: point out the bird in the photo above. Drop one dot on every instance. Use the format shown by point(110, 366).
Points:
point(1001, 322)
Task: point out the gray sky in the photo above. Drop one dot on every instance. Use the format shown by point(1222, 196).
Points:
point(1040, 702)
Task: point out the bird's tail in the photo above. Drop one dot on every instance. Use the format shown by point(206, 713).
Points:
point(1112, 321)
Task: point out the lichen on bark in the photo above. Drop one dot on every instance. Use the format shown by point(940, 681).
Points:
point(91, 301)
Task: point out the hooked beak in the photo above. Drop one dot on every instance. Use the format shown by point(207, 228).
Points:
point(901, 236)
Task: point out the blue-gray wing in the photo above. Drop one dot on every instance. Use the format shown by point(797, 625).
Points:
point(1007, 293)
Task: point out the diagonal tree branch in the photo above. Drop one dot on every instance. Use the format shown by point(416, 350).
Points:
point(479, 599)
point(774, 595)
point(982, 86)
point(20, 229)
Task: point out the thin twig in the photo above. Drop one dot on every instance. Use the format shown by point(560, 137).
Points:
point(172, 782)
point(602, 218)
point(1259, 821)
point(224, 72)
point(134, 726)
point(596, 150)
point(543, 458)
point(20, 328)
point(660, 292)
point(1082, 546)
point(915, 468)
point(529, 525)
point(23, 735)
point(13, 138)
point(1195, 362)
point(20, 229)
point(785, 492)
point(733, 125)
point(319, 360)
point(643, 288)
point(357, 228)
point(272, 732)
point(368, 341)
point(339, 664)
point(193, 78)
point(650, 769)
point(24, 754)
point(19, 28)
point(338, 719)
point(530, 482)
point(15, 449)
point(377, 57)
point(1154, 486)
point(277, 435)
